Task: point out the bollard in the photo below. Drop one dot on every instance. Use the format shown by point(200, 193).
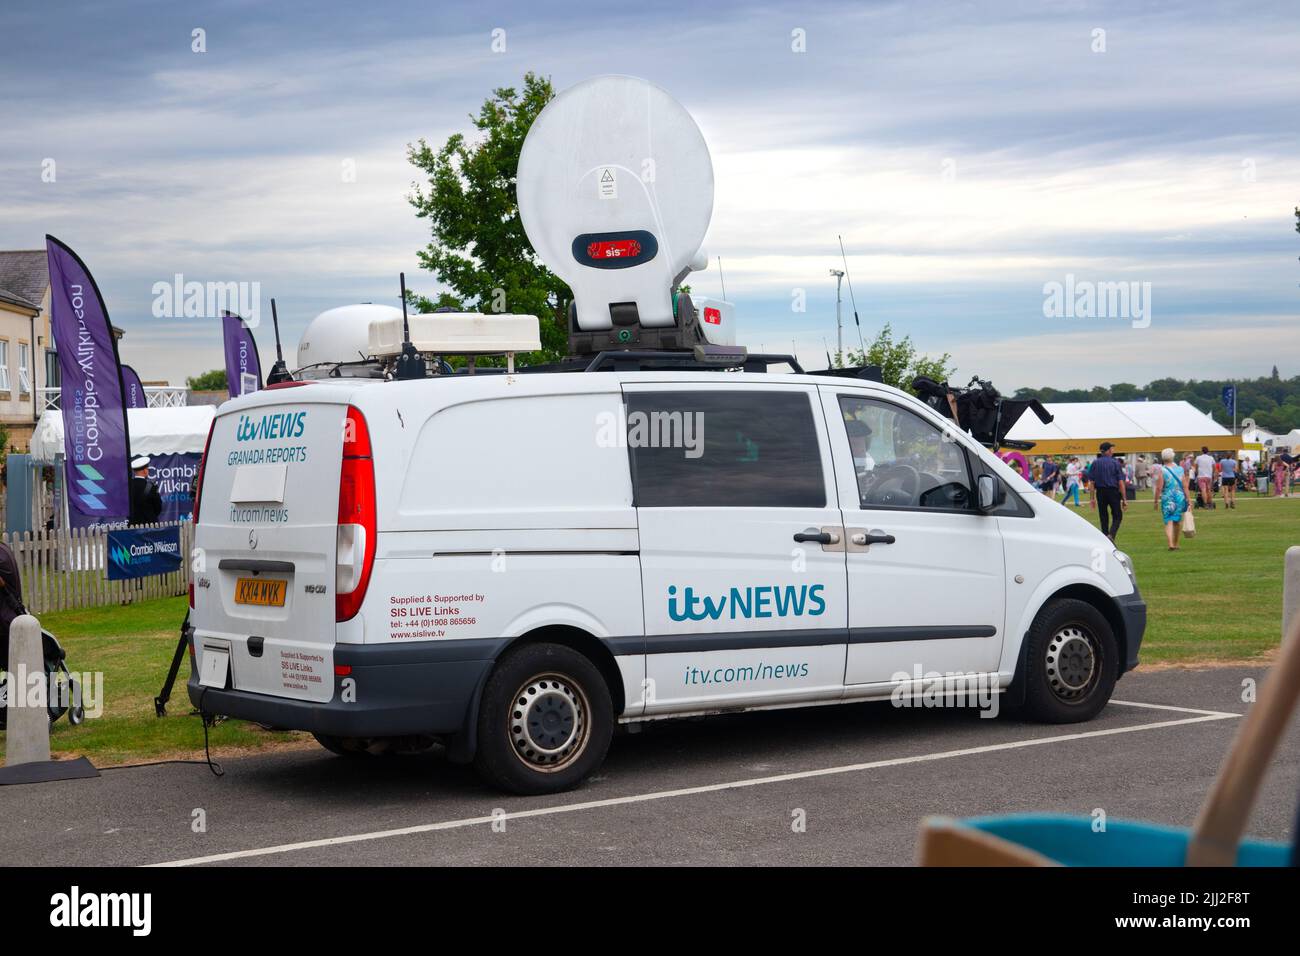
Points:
point(1290, 587)
point(27, 739)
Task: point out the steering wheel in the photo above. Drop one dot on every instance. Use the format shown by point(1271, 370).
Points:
point(894, 484)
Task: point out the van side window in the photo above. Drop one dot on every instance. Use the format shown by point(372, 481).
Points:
point(724, 449)
point(903, 461)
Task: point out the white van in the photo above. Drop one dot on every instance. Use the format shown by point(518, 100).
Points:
point(513, 564)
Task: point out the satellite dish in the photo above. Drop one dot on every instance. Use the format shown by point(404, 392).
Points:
point(342, 334)
point(615, 189)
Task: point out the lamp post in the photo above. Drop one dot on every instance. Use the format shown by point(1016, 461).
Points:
point(839, 321)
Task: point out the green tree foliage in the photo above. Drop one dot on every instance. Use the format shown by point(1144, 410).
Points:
point(213, 381)
point(479, 250)
point(1274, 402)
point(899, 361)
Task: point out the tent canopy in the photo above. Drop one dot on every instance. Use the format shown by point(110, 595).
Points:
point(1079, 427)
point(154, 431)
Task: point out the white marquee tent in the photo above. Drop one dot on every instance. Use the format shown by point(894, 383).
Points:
point(154, 431)
point(1079, 427)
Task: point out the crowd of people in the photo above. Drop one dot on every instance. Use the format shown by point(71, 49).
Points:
point(1178, 483)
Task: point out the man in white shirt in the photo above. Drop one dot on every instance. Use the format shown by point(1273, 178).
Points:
point(1205, 477)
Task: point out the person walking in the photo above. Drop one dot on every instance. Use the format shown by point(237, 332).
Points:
point(1228, 479)
point(146, 503)
point(1051, 477)
point(1205, 478)
point(1107, 488)
point(1141, 471)
point(1279, 475)
point(1073, 475)
point(1170, 492)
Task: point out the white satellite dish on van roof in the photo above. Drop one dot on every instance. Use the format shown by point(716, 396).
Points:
point(615, 190)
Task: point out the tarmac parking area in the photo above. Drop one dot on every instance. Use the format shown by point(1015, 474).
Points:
point(828, 785)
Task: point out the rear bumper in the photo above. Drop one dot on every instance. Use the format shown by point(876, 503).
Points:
point(424, 688)
point(1133, 610)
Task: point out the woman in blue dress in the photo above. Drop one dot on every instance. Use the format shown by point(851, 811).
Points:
point(1170, 490)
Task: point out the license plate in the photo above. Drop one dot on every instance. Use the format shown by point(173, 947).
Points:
point(264, 592)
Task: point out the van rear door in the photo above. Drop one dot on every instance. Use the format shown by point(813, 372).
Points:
point(266, 538)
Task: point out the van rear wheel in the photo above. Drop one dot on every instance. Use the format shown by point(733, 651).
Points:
point(545, 721)
point(1072, 663)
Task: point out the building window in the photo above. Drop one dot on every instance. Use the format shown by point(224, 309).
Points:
point(4, 366)
point(24, 368)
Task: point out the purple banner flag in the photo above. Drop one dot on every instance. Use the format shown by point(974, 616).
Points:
point(135, 397)
point(96, 443)
point(243, 367)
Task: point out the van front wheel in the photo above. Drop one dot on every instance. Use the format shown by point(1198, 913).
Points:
point(545, 721)
point(1072, 663)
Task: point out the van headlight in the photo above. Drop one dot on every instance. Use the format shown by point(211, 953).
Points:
point(1127, 564)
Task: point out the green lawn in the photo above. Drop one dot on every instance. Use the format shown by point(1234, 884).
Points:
point(132, 647)
point(1218, 599)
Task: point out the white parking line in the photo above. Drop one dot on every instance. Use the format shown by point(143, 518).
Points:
point(1179, 710)
point(1203, 716)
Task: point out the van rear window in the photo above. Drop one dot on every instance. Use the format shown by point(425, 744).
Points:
point(724, 449)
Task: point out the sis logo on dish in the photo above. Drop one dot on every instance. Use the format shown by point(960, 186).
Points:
point(278, 425)
point(745, 603)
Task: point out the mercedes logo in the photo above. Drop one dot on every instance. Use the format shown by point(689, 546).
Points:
point(252, 540)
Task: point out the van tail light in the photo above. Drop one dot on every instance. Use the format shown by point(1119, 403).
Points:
point(198, 484)
point(355, 555)
point(191, 592)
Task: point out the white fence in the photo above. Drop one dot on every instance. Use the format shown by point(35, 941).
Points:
point(156, 396)
point(67, 568)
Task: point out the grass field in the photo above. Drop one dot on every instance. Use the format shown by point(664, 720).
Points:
point(132, 647)
point(1219, 599)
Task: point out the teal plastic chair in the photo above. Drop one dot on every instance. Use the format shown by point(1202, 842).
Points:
point(1070, 841)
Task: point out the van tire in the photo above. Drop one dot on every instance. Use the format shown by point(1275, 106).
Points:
point(544, 722)
point(1071, 664)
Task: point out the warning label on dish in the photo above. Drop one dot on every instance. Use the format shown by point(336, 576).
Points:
point(428, 616)
point(607, 182)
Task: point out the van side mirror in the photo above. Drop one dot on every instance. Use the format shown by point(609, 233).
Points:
point(991, 492)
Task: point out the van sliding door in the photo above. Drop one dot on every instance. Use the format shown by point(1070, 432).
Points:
point(742, 560)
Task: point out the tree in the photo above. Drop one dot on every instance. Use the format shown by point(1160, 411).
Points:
point(213, 381)
point(899, 362)
point(479, 249)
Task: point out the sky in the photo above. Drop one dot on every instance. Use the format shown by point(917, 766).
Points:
point(971, 155)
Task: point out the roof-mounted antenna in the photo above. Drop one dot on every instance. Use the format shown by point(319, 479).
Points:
point(410, 364)
point(861, 344)
point(279, 371)
point(721, 278)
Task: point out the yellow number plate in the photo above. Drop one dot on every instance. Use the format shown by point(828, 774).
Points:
point(261, 591)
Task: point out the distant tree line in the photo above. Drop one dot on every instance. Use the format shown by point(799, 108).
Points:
point(1273, 401)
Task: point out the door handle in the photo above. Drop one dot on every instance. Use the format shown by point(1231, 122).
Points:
point(817, 537)
point(863, 538)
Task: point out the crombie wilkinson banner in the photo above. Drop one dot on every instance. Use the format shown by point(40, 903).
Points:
point(243, 367)
point(174, 476)
point(140, 552)
point(96, 444)
point(135, 397)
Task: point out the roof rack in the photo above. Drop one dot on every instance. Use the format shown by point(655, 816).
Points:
point(703, 357)
point(870, 373)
